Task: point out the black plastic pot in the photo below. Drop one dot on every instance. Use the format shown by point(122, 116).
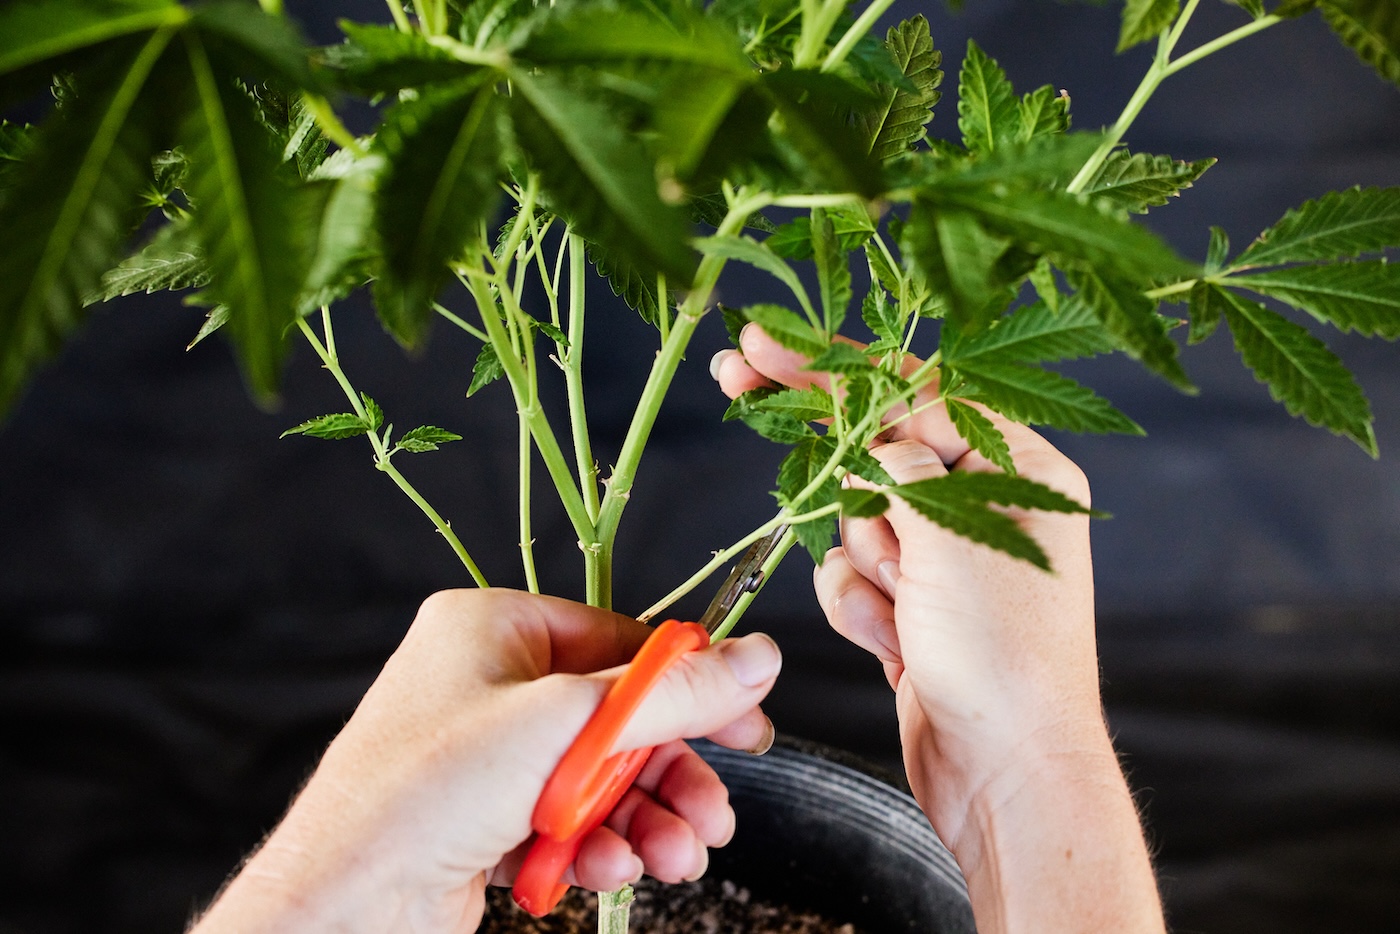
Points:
point(819, 830)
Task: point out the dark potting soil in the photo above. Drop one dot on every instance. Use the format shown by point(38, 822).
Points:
point(705, 907)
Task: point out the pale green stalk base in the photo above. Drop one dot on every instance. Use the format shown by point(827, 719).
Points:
point(613, 908)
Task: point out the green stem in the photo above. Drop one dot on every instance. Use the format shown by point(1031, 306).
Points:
point(573, 376)
point(619, 485)
point(1162, 68)
point(863, 24)
point(400, 17)
point(382, 455)
point(1176, 288)
point(272, 7)
point(770, 564)
point(527, 541)
point(470, 328)
point(613, 908)
point(540, 429)
point(1229, 39)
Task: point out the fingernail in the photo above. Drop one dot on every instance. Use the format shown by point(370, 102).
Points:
point(753, 659)
point(638, 869)
point(717, 361)
point(744, 330)
point(766, 743)
point(702, 862)
point(888, 572)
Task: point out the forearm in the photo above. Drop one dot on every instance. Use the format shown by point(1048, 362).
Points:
point(1057, 846)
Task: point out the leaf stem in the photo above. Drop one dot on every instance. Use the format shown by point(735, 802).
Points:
point(467, 326)
point(527, 541)
point(573, 376)
point(863, 24)
point(400, 17)
point(1229, 39)
point(382, 455)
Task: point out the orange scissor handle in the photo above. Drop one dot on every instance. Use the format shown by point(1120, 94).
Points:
point(588, 783)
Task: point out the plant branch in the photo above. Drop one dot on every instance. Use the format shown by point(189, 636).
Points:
point(573, 376)
point(1229, 39)
point(527, 541)
point(863, 24)
point(382, 455)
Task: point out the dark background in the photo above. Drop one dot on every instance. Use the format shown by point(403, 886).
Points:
point(189, 607)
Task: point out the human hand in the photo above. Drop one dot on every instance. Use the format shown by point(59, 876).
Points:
point(427, 793)
point(994, 666)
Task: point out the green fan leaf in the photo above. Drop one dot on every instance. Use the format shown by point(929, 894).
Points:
point(1034, 396)
point(248, 221)
point(251, 42)
point(1132, 319)
point(1204, 313)
point(788, 328)
point(842, 358)
point(1362, 297)
point(593, 35)
point(805, 405)
point(331, 427)
point(863, 464)
point(382, 59)
point(1138, 181)
point(40, 31)
point(71, 207)
point(1298, 369)
point(1044, 112)
point(626, 282)
point(799, 469)
point(171, 259)
point(343, 217)
point(851, 223)
point(980, 434)
point(862, 504)
point(1145, 19)
point(486, 370)
point(989, 113)
point(426, 438)
point(903, 121)
point(1339, 225)
point(599, 177)
point(959, 257)
point(1371, 28)
point(1069, 228)
point(441, 152)
point(806, 103)
point(747, 250)
point(833, 271)
point(1035, 334)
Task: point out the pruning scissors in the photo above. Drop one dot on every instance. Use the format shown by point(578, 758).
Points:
point(588, 783)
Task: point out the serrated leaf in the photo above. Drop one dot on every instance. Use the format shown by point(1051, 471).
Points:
point(591, 35)
point(16, 145)
point(69, 210)
point(487, 369)
point(802, 465)
point(1218, 252)
point(331, 427)
point(833, 271)
point(1033, 396)
point(1145, 19)
point(626, 282)
point(382, 59)
point(1044, 112)
point(989, 114)
point(950, 507)
point(1042, 279)
point(862, 504)
point(1254, 8)
point(1339, 225)
point(881, 270)
point(215, 319)
point(1371, 28)
point(793, 240)
point(171, 259)
point(747, 250)
point(1362, 297)
point(787, 328)
point(981, 434)
point(252, 42)
point(426, 438)
point(863, 464)
point(805, 405)
point(817, 536)
point(809, 121)
point(958, 257)
point(38, 32)
point(1138, 181)
point(374, 415)
point(882, 317)
point(903, 121)
point(1298, 369)
point(1069, 228)
point(599, 177)
point(1035, 334)
point(1204, 313)
point(343, 221)
point(248, 220)
point(734, 321)
point(441, 152)
point(843, 358)
point(776, 426)
point(1132, 319)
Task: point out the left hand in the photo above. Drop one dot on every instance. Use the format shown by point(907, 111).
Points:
point(427, 793)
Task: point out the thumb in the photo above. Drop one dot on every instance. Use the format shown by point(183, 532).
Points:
point(706, 691)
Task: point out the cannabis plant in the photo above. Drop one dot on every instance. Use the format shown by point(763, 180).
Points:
point(519, 148)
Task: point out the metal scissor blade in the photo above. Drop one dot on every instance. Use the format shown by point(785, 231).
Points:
point(745, 577)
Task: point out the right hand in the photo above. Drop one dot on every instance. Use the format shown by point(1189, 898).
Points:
point(992, 660)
